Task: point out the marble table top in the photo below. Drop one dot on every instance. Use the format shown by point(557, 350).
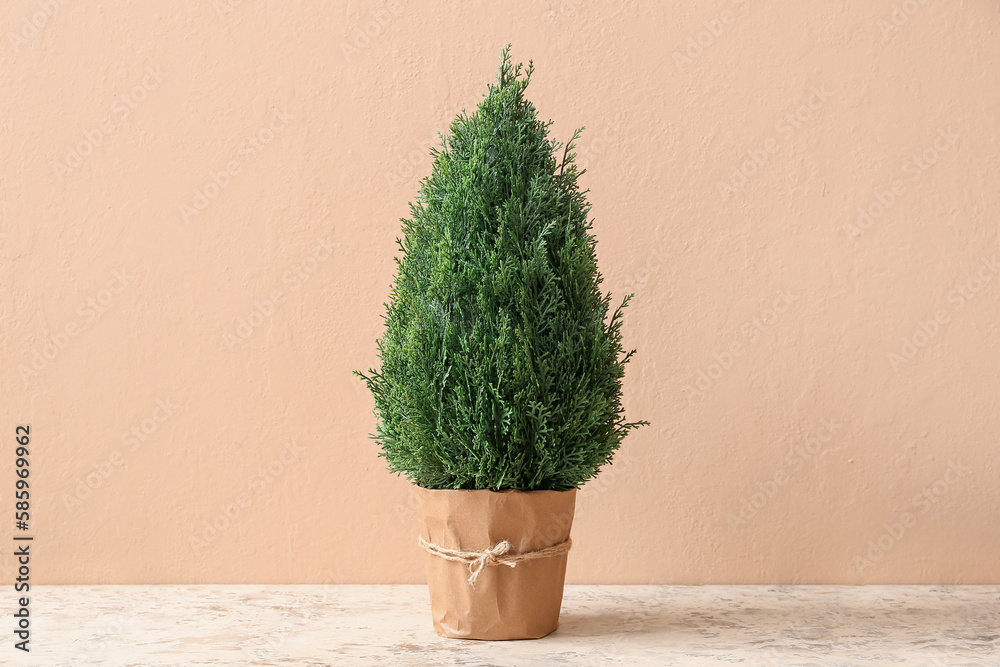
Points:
point(307, 625)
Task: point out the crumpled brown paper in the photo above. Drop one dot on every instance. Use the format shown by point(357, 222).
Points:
point(519, 602)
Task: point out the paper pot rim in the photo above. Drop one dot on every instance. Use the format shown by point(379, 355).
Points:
point(424, 489)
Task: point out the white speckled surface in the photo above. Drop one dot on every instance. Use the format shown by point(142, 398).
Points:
point(310, 625)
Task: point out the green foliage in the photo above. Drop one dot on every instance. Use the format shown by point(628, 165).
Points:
point(501, 368)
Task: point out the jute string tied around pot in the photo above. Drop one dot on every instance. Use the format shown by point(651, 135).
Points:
point(495, 555)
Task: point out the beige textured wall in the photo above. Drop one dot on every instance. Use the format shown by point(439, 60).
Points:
point(200, 203)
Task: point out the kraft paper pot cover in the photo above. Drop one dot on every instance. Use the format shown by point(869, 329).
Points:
point(520, 602)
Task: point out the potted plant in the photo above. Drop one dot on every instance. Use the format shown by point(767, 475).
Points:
point(499, 392)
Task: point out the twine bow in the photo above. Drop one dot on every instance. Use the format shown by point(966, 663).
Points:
point(494, 555)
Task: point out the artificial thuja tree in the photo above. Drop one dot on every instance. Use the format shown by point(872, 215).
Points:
point(501, 359)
